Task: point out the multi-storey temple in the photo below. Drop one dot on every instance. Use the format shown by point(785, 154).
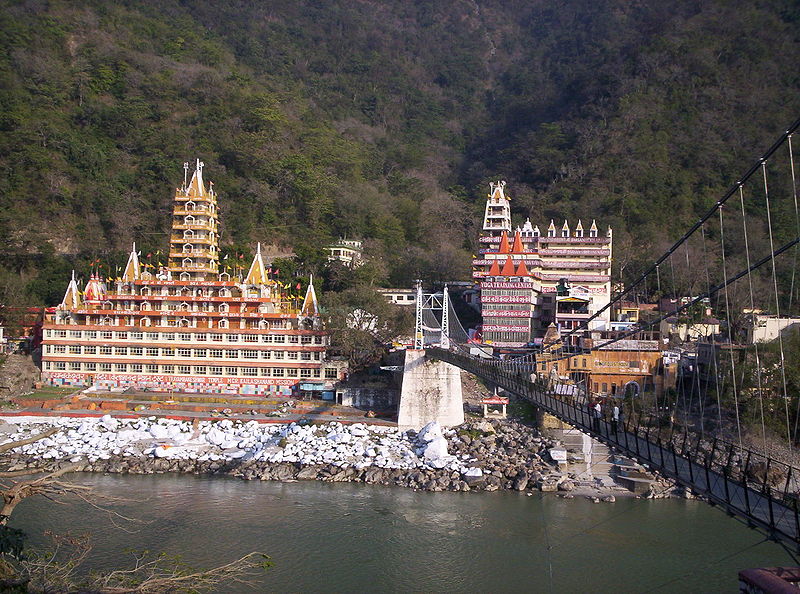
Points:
point(530, 280)
point(188, 326)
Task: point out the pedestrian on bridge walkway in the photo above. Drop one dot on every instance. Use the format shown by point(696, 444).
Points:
point(614, 418)
point(598, 414)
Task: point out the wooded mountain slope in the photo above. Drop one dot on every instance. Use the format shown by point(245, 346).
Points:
point(377, 119)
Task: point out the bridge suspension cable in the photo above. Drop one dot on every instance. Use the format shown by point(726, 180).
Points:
point(710, 213)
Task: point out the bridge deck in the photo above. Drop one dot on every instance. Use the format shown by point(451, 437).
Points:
point(772, 511)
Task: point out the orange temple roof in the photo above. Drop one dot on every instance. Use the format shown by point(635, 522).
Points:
point(508, 268)
point(504, 248)
point(517, 247)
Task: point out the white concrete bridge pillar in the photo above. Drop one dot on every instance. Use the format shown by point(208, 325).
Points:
point(431, 392)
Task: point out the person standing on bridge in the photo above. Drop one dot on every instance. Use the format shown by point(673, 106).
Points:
point(598, 413)
point(614, 418)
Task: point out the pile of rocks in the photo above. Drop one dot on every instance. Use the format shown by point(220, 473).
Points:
point(479, 455)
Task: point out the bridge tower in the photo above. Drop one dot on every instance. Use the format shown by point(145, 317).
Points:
point(431, 390)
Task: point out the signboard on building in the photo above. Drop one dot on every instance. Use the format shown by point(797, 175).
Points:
point(175, 379)
point(507, 285)
point(507, 299)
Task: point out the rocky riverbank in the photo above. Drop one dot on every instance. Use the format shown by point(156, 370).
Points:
point(479, 455)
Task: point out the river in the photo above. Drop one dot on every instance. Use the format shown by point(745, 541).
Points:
point(327, 537)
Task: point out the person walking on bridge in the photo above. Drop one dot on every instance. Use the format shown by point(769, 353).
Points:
point(614, 418)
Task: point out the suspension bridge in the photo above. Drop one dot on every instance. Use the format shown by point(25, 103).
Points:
point(729, 430)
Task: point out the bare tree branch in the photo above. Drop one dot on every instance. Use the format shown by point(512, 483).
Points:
point(15, 444)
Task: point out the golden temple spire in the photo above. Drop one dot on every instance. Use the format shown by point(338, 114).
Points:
point(310, 306)
point(196, 187)
point(72, 298)
point(132, 270)
point(257, 275)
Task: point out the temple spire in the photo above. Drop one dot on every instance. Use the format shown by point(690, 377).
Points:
point(132, 270)
point(196, 186)
point(310, 306)
point(95, 292)
point(504, 247)
point(508, 268)
point(257, 275)
point(517, 247)
point(72, 298)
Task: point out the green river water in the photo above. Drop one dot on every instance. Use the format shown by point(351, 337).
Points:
point(327, 537)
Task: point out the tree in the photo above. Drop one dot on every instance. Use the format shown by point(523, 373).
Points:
point(362, 322)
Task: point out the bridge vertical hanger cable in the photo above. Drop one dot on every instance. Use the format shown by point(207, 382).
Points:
point(675, 295)
point(710, 213)
point(730, 338)
point(777, 302)
point(794, 262)
point(797, 229)
point(713, 337)
point(690, 292)
point(753, 317)
point(696, 382)
point(445, 338)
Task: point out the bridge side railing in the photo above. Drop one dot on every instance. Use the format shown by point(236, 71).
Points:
point(759, 489)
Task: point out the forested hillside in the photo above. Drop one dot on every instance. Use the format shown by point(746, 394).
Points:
point(379, 119)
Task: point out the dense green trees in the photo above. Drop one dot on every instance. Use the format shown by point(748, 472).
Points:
point(379, 120)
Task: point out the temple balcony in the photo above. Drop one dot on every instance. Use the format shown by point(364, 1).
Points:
point(211, 198)
point(193, 253)
point(203, 267)
point(199, 209)
point(181, 239)
point(209, 226)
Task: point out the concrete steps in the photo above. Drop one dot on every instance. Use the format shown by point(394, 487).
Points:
point(592, 459)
